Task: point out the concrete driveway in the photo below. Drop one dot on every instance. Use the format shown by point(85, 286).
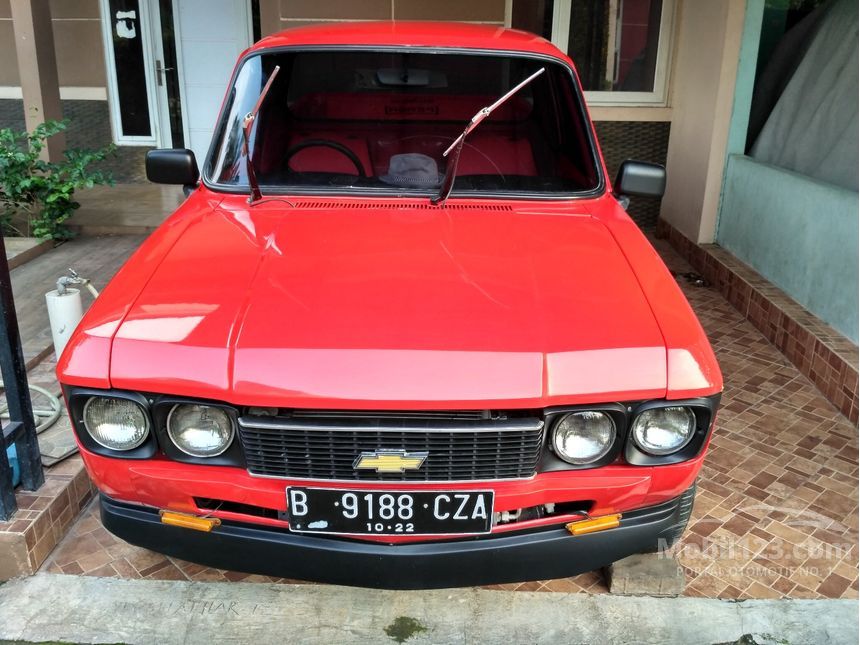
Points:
point(77, 609)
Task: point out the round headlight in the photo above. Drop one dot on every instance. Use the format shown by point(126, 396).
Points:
point(200, 430)
point(117, 424)
point(662, 431)
point(584, 437)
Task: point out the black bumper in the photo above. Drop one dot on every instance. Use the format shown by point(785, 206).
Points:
point(539, 554)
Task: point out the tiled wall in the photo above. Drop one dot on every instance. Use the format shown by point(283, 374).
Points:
point(89, 127)
point(43, 518)
point(642, 140)
point(820, 352)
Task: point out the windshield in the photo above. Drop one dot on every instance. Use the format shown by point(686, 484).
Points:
point(346, 120)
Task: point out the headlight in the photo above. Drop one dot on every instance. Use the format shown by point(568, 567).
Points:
point(584, 437)
point(116, 424)
point(200, 430)
point(661, 431)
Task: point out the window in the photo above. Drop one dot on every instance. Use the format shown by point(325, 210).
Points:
point(378, 122)
point(620, 47)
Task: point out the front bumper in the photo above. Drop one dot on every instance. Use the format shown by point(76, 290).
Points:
point(512, 557)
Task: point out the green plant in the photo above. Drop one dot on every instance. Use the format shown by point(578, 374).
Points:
point(37, 196)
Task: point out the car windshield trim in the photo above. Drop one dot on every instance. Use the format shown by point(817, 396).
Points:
point(417, 193)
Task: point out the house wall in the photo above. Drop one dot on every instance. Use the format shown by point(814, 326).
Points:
point(81, 73)
point(798, 232)
point(78, 44)
point(80, 50)
point(624, 132)
point(282, 14)
point(640, 132)
point(705, 66)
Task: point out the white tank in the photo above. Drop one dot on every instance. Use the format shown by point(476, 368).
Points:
point(64, 313)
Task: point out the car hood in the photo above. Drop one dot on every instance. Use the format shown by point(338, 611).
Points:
point(351, 305)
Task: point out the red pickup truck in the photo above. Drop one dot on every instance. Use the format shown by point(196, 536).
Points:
point(401, 333)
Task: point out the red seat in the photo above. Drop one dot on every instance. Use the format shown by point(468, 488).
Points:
point(496, 154)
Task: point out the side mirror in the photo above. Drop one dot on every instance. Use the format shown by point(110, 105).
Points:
point(640, 178)
point(172, 166)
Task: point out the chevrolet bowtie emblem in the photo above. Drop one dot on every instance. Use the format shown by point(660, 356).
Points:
point(390, 461)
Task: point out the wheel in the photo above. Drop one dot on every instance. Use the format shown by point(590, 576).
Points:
point(672, 534)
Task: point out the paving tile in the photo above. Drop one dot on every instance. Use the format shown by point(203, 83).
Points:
point(565, 585)
point(834, 586)
point(732, 593)
point(804, 593)
point(72, 568)
point(163, 563)
point(782, 585)
point(209, 575)
point(124, 568)
point(739, 525)
point(105, 571)
point(94, 560)
point(168, 572)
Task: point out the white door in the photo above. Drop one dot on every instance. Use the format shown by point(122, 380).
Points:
point(210, 35)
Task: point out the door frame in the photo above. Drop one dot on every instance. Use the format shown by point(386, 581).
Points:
point(162, 112)
point(180, 67)
point(659, 96)
point(148, 39)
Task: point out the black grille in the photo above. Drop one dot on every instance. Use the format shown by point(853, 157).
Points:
point(460, 446)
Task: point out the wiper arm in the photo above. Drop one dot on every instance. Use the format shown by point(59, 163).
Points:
point(457, 145)
point(247, 128)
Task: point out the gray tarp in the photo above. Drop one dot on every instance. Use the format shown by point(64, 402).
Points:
point(813, 129)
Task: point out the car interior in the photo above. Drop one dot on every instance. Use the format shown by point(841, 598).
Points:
point(383, 120)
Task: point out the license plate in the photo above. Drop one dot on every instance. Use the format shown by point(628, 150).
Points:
point(365, 512)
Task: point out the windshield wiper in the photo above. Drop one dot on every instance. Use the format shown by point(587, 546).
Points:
point(247, 128)
point(457, 144)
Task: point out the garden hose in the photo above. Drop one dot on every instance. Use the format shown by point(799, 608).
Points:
point(45, 417)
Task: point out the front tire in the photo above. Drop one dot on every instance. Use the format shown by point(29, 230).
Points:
point(673, 534)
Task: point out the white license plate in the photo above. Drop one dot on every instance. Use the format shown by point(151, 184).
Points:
point(388, 512)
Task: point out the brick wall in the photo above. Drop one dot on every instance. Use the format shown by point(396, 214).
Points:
point(641, 140)
point(89, 127)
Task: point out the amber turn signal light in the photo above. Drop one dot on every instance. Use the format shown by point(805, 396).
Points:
point(594, 524)
point(186, 521)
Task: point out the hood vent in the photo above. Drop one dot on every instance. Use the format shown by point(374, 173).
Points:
point(314, 205)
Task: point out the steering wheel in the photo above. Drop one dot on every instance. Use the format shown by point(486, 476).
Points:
point(324, 143)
